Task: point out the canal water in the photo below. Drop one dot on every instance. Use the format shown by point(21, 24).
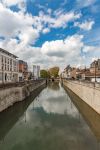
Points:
point(49, 121)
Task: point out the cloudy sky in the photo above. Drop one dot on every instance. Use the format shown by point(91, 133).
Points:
point(51, 32)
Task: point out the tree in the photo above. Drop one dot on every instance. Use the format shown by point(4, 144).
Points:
point(54, 72)
point(43, 73)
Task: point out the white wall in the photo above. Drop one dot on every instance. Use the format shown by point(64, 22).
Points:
point(97, 80)
point(11, 95)
point(36, 71)
point(8, 69)
point(87, 92)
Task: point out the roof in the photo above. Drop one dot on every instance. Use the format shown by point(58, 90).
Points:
point(95, 62)
point(82, 71)
point(8, 53)
point(22, 62)
point(68, 68)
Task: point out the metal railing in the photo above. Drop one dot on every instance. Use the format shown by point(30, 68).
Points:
point(85, 83)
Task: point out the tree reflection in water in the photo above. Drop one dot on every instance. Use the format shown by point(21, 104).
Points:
point(54, 85)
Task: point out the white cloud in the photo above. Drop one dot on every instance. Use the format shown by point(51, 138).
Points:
point(64, 3)
point(65, 51)
point(94, 58)
point(20, 30)
point(12, 23)
point(88, 49)
point(70, 50)
point(27, 29)
point(20, 22)
point(28, 36)
point(87, 25)
point(6, 28)
point(85, 3)
point(91, 50)
point(41, 6)
point(59, 20)
point(46, 30)
point(63, 19)
point(58, 52)
point(70, 46)
point(49, 11)
point(8, 3)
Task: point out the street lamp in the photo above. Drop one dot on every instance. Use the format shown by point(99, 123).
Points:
point(95, 69)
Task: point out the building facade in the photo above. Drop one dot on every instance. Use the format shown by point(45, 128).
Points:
point(95, 66)
point(23, 70)
point(36, 71)
point(67, 72)
point(8, 67)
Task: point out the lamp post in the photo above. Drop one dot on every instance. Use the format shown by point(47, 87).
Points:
point(95, 70)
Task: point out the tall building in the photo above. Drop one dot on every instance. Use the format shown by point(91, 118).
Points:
point(8, 67)
point(36, 71)
point(23, 70)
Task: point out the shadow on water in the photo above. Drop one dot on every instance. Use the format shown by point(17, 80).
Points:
point(92, 118)
point(10, 116)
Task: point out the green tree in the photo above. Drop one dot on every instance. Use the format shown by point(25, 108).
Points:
point(54, 72)
point(43, 73)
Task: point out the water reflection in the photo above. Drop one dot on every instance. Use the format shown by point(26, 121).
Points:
point(92, 118)
point(9, 117)
point(54, 85)
point(50, 122)
point(56, 103)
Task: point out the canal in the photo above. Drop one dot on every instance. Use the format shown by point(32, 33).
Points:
point(55, 119)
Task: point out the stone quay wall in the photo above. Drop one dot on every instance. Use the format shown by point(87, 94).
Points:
point(88, 92)
point(15, 92)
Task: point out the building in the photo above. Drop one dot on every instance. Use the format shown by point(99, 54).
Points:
point(23, 70)
point(67, 72)
point(95, 71)
point(36, 71)
point(80, 73)
point(95, 66)
point(90, 77)
point(73, 73)
point(70, 72)
point(76, 73)
point(8, 67)
point(91, 74)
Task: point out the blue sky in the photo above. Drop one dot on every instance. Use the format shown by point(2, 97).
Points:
point(51, 32)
